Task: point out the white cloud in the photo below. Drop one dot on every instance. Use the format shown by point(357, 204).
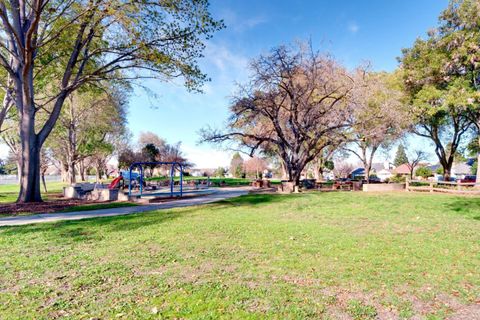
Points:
point(206, 157)
point(240, 24)
point(225, 60)
point(250, 23)
point(353, 27)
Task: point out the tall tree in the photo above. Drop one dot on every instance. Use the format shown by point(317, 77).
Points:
point(323, 161)
point(255, 167)
point(149, 137)
point(342, 169)
point(295, 105)
point(379, 117)
point(49, 49)
point(458, 35)
point(400, 156)
point(439, 101)
point(414, 160)
point(236, 165)
point(86, 126)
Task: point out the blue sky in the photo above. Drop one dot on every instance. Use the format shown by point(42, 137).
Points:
point(353, 31)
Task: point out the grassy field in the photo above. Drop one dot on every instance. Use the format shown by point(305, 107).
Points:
point(9, 192)
point(323, 255)
point(216, 181)
point(97, 206)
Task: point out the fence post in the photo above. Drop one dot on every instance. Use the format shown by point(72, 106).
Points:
point(407, 184)
point(459, 186)
point(431, 186)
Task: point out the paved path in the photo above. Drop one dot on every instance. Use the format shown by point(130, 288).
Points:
point(220, 194)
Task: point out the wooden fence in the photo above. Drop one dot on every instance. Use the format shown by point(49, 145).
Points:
point(442, 186)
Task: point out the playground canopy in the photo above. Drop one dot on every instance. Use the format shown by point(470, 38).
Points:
point(140, 165)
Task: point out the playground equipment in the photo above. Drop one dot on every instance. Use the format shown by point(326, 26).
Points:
point(115, 184)
point(139, 181)
point(141, 188)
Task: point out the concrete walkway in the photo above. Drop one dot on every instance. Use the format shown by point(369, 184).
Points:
point(220, 194)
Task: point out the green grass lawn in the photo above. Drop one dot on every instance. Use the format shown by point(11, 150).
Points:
point(215, 180)
point(322, 255)
point(9, 192)
point(97, 206)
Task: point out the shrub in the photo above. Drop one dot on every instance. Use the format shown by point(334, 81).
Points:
point(398, 179)
point(424, 172)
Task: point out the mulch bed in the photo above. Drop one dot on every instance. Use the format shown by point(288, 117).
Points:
point(55, 203)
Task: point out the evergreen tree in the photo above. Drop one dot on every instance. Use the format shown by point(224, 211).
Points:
point(220, 172)
point(400, 156)
point(236, 165)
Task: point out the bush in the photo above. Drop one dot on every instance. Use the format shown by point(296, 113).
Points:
point(398, 179)
point(424, 172)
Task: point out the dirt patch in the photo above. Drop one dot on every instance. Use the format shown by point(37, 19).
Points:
point(467, 313)
point(264, 191)
point(54, 204)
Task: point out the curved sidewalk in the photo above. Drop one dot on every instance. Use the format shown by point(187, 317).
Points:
point(221, 194)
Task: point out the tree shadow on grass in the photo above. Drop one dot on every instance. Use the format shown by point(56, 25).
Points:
point(257, 199)
point(93, 229)
point(96, 228)
point(468, 207)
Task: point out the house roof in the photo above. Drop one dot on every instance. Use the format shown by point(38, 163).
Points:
point(405, 168)
point(402, 169)
point(461, 168)
point(357, 171)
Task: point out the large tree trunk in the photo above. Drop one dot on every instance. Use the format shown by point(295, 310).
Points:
point(447, 169)
point(82, 169)
point(29, 162)
point(71, 172)
point(446, 174)
point(295, 173)
point(367, 173)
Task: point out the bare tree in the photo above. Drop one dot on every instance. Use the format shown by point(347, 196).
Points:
point(323, 161)
point(296, 104)
point(45, 163)
point(379, 119)
point(149, 137)
point(86, 126)
point(342, 169)
point(255, 166)
point(414, 159)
